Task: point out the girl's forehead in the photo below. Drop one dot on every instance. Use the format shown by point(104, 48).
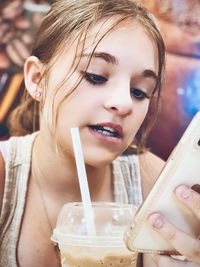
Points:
point(103, 29)
point(104, 34)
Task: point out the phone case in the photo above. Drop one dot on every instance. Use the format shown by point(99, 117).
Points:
point(182, 167)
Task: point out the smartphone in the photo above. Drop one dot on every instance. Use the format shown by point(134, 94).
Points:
point(182, 167)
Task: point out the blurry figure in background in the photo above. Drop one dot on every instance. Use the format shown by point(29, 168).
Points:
point(179, 23)
point(12, 24)
point(18, 22)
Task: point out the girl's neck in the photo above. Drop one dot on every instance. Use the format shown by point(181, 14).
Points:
point(58, 178)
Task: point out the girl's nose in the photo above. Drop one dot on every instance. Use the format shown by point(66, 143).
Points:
point(119, 101)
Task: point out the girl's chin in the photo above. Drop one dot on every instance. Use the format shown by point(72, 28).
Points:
point(98, 165)
point(100, 160)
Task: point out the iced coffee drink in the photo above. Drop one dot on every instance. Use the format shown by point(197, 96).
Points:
point(104, 257)
point(106, 247)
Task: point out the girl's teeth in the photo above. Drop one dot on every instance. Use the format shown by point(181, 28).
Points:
point(108, 129)
point(106, 133)
point(105, 130)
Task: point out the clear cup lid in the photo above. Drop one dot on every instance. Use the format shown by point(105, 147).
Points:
point(111, 221)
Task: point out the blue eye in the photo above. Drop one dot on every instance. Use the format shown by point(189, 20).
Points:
point(138, 94)
point(94, 78)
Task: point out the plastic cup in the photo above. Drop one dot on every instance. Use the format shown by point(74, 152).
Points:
point(106, 247)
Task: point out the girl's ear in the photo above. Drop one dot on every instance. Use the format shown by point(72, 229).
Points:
point(32, 77)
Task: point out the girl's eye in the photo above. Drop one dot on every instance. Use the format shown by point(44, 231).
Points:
point(94, 78)
point(138, 94)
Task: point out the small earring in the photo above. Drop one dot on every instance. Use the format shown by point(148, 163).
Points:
point(37, 94)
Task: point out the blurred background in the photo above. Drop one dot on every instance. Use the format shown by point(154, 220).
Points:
point(19, 20)
point(179, 22)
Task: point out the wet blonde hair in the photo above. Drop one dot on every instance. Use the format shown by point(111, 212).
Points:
point(72, 19)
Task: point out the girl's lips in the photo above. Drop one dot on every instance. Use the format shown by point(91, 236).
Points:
point(116, 128)
point(109, 132)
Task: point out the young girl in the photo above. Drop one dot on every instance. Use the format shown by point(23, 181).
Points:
point(96, 65)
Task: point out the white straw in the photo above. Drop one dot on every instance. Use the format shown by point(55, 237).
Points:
point(83, 182)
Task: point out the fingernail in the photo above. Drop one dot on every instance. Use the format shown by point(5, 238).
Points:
point(156, 221)
point(183, 192)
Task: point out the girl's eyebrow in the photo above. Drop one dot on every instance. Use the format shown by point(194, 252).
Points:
point(148, 73)
point(105, 56)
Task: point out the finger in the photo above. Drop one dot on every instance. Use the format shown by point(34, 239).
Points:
point(13, 55)
point(4, 29)
point(166, 261)
point(17, 52)
point(190, 198)
point(7, 37)
point(4, 61)
point(183, 243)
point(20, 48)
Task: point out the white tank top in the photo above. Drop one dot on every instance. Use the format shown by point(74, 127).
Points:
point(17, 155)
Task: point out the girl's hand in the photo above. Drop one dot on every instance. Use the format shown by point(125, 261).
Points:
point(186, 245)
point(167, 261)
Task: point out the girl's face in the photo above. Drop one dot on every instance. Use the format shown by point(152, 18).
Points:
point(112, 100)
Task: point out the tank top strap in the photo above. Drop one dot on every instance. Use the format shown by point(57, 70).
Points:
point(127, 180)
point(17, 166)
point(3, 149)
